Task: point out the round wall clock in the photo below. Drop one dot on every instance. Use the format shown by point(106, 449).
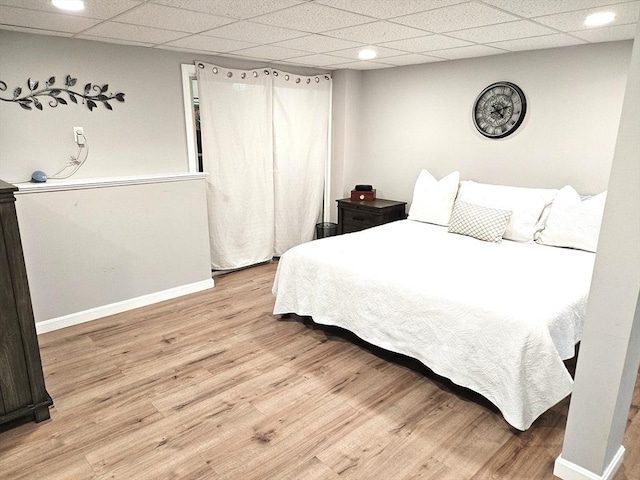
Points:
point(499, 110)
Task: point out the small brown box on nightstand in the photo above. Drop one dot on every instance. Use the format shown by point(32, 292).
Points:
point(367, 196)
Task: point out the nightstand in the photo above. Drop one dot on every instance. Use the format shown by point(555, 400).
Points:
point(358, 215)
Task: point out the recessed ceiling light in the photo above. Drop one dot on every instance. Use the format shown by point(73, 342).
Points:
point(367, 54)
point(600, 18)
point(72, 5)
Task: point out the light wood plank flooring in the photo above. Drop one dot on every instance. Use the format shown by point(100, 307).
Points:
point(212, 386)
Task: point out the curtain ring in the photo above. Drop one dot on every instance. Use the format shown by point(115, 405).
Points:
point(229, 74)
point(200, 65)
point(317, 80)
point(255, 74)
point(297, 80)
point(214, 70)
point(243, 75)
point(275, 73)
point(266, 72)
point(308, 81)
point(286, 77)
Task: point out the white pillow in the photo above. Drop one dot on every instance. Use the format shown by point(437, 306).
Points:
point(526, 205)
point(433, 199)
point(479, 222)
point(573, 222)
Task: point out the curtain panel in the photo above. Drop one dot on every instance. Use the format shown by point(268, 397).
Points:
point(265, 146)
point(237, 146)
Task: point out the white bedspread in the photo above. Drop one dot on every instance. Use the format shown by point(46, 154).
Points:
point(496, 318)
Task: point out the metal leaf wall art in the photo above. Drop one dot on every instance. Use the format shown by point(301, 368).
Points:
point(35, 97)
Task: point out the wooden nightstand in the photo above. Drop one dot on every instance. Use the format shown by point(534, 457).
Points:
point(358, 215)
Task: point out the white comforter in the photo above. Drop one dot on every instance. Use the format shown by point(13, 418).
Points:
point(496, 318)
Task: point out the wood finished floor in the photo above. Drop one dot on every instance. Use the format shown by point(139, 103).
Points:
point(212, 386)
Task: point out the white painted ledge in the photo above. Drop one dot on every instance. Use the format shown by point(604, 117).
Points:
point(119, 307)
point(84, 183)
point(570, 471)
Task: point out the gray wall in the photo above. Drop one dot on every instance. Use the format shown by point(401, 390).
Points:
point(144, 135)
point(420, 117)
point(88, 248)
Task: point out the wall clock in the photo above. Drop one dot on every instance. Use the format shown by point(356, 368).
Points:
point(499, 110)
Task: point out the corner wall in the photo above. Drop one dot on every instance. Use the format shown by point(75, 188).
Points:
point(610, 349)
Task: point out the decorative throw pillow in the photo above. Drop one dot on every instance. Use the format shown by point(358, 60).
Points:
point(433, 199)
point(526, 205)
point(483, 223)
point(573, 222)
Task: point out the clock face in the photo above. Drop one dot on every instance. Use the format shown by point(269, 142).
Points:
point(499, 110)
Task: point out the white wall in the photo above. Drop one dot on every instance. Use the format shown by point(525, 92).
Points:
point(420, 117)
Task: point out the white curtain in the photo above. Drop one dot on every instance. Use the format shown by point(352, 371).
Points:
point(300, 144)
point(265, 147)
point(235, 119)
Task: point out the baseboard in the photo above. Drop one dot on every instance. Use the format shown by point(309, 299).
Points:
point(570, 471)
point(119, 307)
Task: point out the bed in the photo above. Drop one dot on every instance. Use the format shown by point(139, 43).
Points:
point(496, 317)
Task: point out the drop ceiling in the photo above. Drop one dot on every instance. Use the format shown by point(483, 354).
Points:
point(328, 34)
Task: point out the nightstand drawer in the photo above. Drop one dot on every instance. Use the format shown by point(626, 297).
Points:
point(354, 216)
point(356, 220)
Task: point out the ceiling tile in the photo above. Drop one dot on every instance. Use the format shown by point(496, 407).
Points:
point(187, 50)
point(382, 52)
point(376, 32)
point(427, 43)
point(135, 33)
point(536, 8)
point(273, 30)
point(361, 65)
point(387, 8)
point(159, 16)
point(318, 43)
point(317, 59)
point(466, 52)
point(21, 17)
point(537, 43)
point(210, 44)
point(253, 32)
point(113, 40)
point(503, 31)
point(607, 34)
point(312, 18)
point(456, 17)
point(92, 8)
point(270, 52)
point(411, 59)
point(242, 9)
point(573, 21)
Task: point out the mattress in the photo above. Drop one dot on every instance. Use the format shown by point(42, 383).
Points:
point(498, 318)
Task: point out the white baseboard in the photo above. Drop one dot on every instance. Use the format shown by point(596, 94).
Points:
point(570, 471)
point(119, 307)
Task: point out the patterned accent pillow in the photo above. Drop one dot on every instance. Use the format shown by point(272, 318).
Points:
point(483, 223)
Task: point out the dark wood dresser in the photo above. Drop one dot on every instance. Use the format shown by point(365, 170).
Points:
point(354, 216)
point(22, 389)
